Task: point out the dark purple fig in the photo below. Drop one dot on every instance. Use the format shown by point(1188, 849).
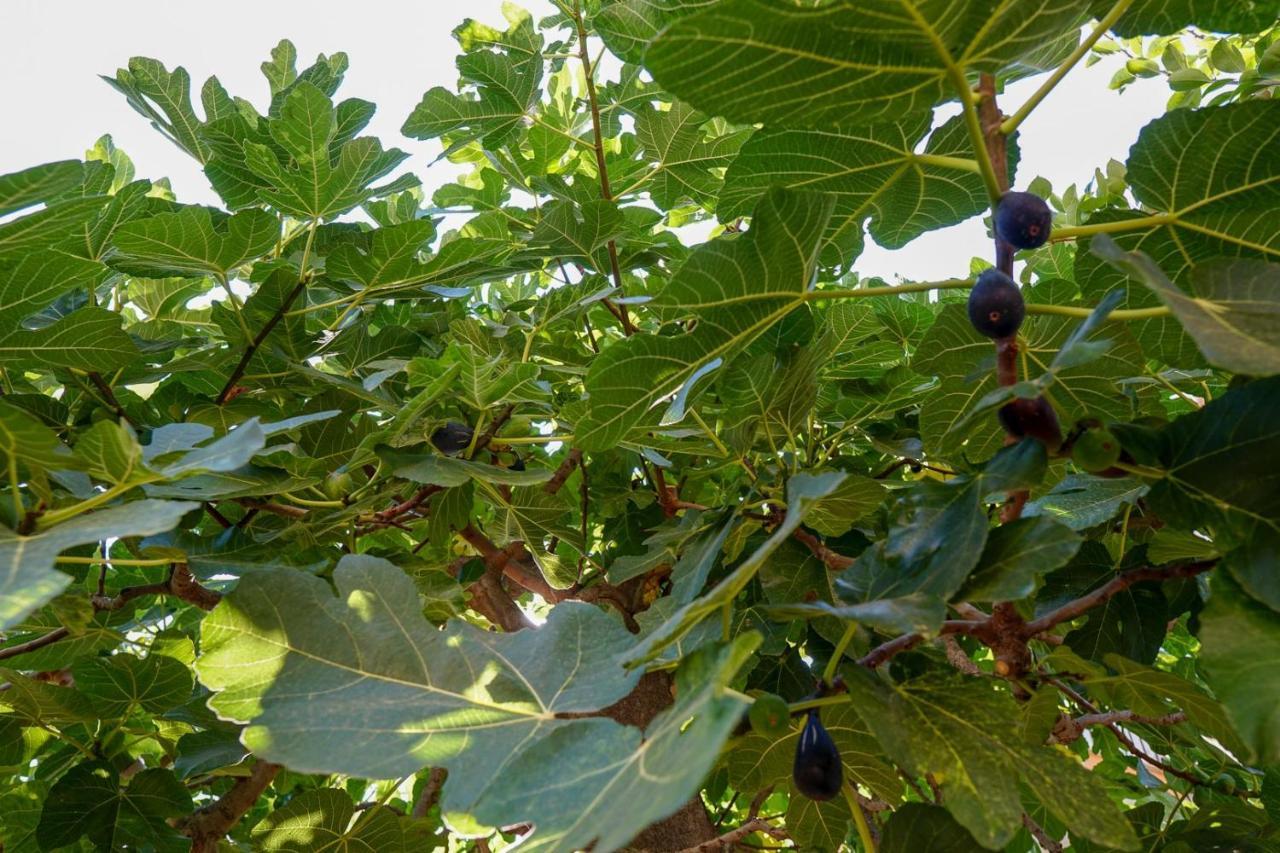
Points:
point(452, 438)
point(995, 305)
point(1023, 220)
point(817, 771)
point(1034, 418)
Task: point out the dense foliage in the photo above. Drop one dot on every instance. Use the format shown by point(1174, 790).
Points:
point(344, 517)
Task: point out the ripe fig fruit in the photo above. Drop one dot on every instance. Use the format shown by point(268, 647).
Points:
point(1023, 220)
point(1034, 418)
point(1096, 450)
point(995, 305)
point(452, 438)
point(769, 715)
point(817, 771)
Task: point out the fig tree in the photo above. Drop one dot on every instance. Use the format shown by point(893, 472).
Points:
point(1023, 220)
point(995, 305)
point(817, 771)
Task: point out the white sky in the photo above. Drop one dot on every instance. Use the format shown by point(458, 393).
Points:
point(54, 105)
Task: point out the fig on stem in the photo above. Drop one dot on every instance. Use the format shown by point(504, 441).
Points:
point(1096, 450)
point(1034, 418)
point(1023, 220)
point(817, 771)
point(452, 438)
point(996, 308)
point(769, 715)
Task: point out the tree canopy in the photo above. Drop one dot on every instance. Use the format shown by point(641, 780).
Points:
point(347, 516)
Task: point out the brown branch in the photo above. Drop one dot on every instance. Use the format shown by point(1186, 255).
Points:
point(207, 826)
point(229, 390)
point(430, 793)
point(1042, 838)
point(184, 586)
point(1118, 584)
point(990, 118)
point(107, 394)
point(833, 561)
point(607, 592)
point(727, 840)
point(1126, 740)
point(487, 595)
point(32, 645)
point(557, 481)
point(957, 657)
point(394, 512)
point(619, 311)
point(180, 584)
point(1005, 628)
point(884, 651)
point(1069, 729)
point(222, 520)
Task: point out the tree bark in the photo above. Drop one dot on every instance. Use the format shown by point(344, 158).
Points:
point(689, 826)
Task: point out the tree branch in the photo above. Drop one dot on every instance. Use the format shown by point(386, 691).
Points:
point(1002, 626)
point(1125, 739)
point(32, 645)
point(833, 561)
point(1042, 838)
point(1069, 729)
point(430, 793)
point(107, 394)
point(207, 826)
point(562, 473)
point(229, 390)
point(1118, 584)
point(726, 841)
point(619, 311)
point(179, 584)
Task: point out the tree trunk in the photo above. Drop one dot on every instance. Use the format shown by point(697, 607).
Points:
point(689, 825)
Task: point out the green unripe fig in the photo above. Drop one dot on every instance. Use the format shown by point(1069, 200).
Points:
point(1096, 450)
point(769, 715)
point(1225, 782)
point(337, 485)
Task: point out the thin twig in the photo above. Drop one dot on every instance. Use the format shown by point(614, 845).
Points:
point(229, 388)
point(1069, 729)
point(1119, 583)
point(32, 645)
point(107, 394)
point(726, 841)
point(618, 310)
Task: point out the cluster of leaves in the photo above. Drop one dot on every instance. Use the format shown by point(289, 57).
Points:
point(340, 515)
point(1200, 68)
